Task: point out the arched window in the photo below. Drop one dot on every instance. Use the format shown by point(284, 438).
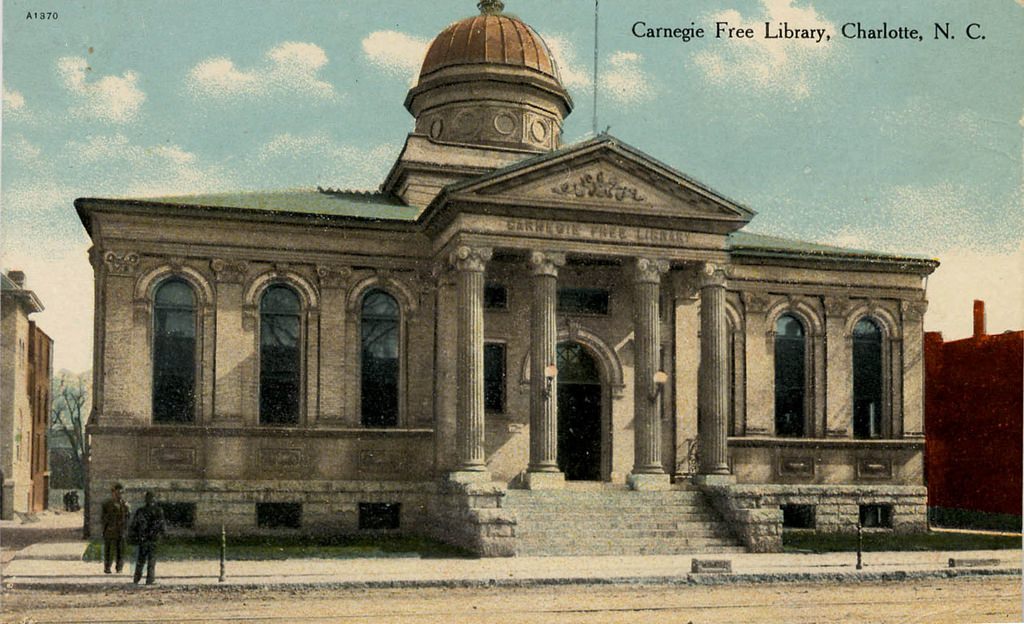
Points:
point(790, 376)
point(174, 353)
point(379, 334)
point(867, 379)
point(280, 356)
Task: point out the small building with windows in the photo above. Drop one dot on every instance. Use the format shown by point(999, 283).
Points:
point(515, 345)
point(26, 371)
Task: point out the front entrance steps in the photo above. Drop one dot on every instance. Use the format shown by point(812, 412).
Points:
point(587, 518)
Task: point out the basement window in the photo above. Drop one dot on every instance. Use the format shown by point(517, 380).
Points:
point(876, 516)
point(179, 515)
point(279, 515)
point(379, 516)
point(798, 516)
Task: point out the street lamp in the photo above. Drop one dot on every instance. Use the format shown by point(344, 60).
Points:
point(660, 379)
point(550, 373)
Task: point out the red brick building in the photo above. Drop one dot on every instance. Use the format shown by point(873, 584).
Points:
point(973, 408)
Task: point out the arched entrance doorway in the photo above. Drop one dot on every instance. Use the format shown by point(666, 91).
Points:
point(579, 413)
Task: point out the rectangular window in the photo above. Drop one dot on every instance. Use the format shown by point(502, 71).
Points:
point(798, 516)
point(495, 296)
point(379, 516)
point(279, 515)
point(179, 515)
point(583, 300)
point(876, 516)
point(494, 377)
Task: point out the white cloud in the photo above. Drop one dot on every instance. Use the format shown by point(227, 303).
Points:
point(395, 52)
point(318, 159)
point(574, 74)
point(786, 67)
point(112, 164)
point(624, 80)
point(289, 68)
point(13, 104)
point(22, 149)
point(115, 99)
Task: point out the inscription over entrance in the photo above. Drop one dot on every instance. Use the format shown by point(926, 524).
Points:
point(598, 232)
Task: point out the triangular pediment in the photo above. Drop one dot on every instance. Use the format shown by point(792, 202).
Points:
point(604, 177)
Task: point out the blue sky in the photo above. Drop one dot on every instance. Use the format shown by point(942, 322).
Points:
point(889, 145)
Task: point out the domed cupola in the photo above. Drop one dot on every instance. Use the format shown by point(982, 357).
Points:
point(490, 81)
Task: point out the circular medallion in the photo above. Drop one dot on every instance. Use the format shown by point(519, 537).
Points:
point(466, 123)
point(539, 130)
point(436, 128)
point(504, 123)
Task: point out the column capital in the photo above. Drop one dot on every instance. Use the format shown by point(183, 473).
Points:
point(546, 262)
point(712, 275)
point(333, 276)
point(229, 271)
point(124, 263)
point(913, 310)
point(837, 307)
point(466, 258)
point(649, 269)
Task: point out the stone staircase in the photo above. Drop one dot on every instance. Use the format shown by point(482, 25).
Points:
point(606, 519)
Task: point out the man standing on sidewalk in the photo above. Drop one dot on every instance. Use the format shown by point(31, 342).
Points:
point(146, 530)
point(115, 522)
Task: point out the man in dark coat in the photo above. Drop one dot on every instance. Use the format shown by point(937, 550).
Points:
point(146, 530)
point(115, 524)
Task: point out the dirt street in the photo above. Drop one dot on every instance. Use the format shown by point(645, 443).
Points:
point(994, 599)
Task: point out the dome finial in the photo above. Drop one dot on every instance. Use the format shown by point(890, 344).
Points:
point(490, 7)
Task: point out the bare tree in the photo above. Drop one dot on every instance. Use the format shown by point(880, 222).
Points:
point(68, 415)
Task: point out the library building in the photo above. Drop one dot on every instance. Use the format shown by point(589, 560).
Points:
point(515, 345)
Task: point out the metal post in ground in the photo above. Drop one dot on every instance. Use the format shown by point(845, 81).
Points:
point(860, 545)
point(223, 549)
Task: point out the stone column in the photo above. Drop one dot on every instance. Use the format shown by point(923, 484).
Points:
point(714, 377)
point(648, 473)
point(838, 370)
point(469, 263)
point(543, 470)
point(232, 349)
point(333, 351)
point(909, 422)
point(760, 371)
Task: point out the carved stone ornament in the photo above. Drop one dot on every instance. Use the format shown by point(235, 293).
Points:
point(230, 271)
point(755, 303)
point(650, 269)
point(546, 263)
point(600, 187)
point(837, 307)
point(913, 310)
point(121, 264)
point(712, 275)
point(466, 258)
point(333, 277)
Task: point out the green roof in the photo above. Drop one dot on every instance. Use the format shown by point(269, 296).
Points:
point(760, 244)
point(369, 205)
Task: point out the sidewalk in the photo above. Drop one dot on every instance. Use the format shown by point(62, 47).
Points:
point(59, 566)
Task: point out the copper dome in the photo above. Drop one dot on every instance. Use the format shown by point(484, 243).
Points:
point(489, 38)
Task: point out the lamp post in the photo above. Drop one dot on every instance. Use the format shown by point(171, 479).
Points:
point(550, 373)
point(658, 385)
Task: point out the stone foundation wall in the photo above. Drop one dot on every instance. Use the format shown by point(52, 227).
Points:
point(471, 516)
point(327, 507)
point(755, 515)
